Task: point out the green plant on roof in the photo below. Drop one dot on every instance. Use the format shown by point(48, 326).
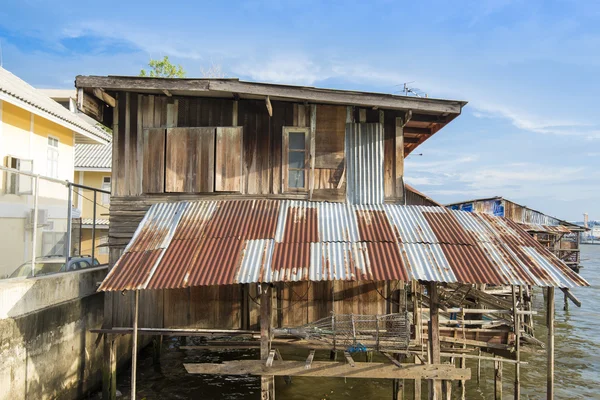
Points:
point(163, 69)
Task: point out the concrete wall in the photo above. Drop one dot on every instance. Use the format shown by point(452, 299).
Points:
point(46, 348)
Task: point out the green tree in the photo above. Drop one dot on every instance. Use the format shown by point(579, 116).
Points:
point(163, 69)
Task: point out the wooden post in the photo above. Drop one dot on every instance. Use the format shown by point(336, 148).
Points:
point(267, 382)
point(550, 344)
point(435, 385)
point(417, 388)
point(109, 372)
point(498, 380)
point(517, 328)
point(479, 367)
point(134, 344)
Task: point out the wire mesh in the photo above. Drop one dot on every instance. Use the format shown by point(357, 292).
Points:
point(374, 332)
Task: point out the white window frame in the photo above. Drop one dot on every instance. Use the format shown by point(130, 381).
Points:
point(52, 156)
point(18, 184)
point(106, 185)
point(285, 159)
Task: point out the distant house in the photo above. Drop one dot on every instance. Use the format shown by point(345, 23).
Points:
point(93, 169)
point(37, 136)
point(559, 236)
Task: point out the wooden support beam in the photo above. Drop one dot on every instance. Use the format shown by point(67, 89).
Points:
point(571, 296)
point(270, 358)
point(269, 106)
point(349, 359)
point(417, 383)
point(134, 344)
point(362, 115)
point(105, 97)
point(167, 93)
point(517, 328)
point(435, 386)
point(109, 370)
point(331, 369)
point(309, 359)
point(550, 344)
point(498, 380)
point(234, 113)
point(267, 382)
point(393, 360)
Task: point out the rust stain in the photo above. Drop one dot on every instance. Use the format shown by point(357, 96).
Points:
point(374, 226)
point(301, 225)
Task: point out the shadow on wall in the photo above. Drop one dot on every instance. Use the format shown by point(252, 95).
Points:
point(47, 349)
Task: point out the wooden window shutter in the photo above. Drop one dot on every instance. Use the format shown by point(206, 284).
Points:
point(153, 173)
point(228, 162)
point(190, 160)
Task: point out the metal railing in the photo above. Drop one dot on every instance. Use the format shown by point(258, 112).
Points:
point(25, 197)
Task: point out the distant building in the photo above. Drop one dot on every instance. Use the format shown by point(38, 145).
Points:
point(558, 235)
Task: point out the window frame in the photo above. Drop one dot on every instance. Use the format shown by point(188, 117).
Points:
point(13, 183)
point(285, 159)
point(52, 157)
point(105, 198)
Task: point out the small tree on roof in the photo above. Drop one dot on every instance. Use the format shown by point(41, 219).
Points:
point(163, 69)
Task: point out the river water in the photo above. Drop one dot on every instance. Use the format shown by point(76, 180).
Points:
point(577, 367)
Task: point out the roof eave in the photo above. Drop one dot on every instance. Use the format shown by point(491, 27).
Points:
point(44, 114)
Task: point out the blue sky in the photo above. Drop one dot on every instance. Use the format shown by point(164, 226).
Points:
point(529, 70)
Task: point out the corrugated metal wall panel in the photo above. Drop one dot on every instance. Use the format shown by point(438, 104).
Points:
point(364, 165)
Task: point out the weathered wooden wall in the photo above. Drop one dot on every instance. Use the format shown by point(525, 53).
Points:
point(145, 171)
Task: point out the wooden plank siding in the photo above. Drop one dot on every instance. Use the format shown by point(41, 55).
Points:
point(228, 162)
point(190, 160)
point(162, 152)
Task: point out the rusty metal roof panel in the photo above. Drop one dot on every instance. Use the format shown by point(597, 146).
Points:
point(157, 227)
point(374, 226)
point(385, 262)
point(257, 262)
point(426, 261)
point(337, 223)
point(244, 219)
point(409, 224)
point(297, 222)
point(244, 241)
point(339, 261)
point(545, 228)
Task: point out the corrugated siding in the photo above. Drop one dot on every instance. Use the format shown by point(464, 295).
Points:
point(245, 241)
point(364, 152)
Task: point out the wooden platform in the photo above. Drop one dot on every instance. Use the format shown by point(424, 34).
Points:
point(329, 369)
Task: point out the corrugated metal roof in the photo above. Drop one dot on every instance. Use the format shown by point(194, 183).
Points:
point(364, 149)
point(245, 241)
point(18, 92)
point(99, 221)
point(93, 156)
point(545, 228)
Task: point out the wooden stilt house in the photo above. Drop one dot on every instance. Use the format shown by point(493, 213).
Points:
point(239, 206)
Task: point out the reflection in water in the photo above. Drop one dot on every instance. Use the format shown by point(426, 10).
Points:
point(577, 363)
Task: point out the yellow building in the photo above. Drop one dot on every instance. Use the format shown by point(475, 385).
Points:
point(37, 136)
point(92, 169)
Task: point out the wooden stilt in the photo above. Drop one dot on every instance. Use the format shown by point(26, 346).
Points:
point(109, 371)
point(134, 344)
point(435, 386)
point(417, 383)
point(566, 307)
point(267, 382)
point(479, 367)
point(498, 380)
point(517, 329)
point(550, 344)
point(463, 384)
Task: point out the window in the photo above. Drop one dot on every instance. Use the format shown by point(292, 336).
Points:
point(52, 157)
point(295, 159)
point(106, 186)
point(18, 183)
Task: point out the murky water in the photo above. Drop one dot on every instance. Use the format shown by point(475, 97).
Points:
point(577, 363)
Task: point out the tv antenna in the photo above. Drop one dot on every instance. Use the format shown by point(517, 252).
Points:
point(412, 91)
